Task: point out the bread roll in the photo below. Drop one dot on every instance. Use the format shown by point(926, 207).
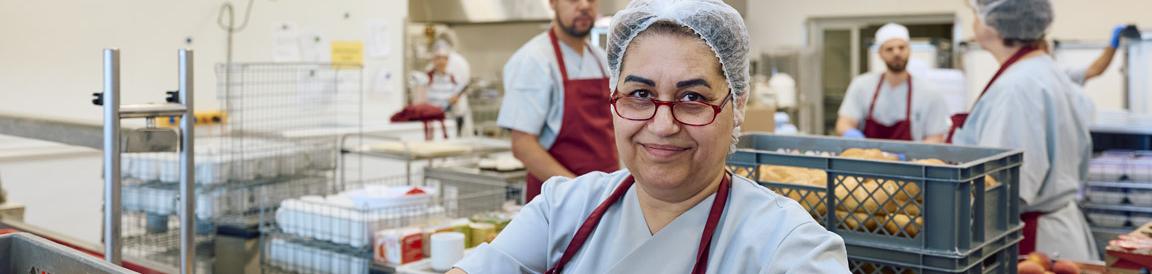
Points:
point(931, 162)
point(859, 221)
point(811, 201)
point(896, 222)
point(990, 182)
point(870, 154)
point(910, 192)
point(868, 198)
point(793, 175)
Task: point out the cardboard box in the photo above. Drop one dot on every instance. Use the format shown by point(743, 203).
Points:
point(759, 119)
point(399, 246)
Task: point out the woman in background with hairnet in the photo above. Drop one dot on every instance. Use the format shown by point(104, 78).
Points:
point(1029, 105)
point(679, 73)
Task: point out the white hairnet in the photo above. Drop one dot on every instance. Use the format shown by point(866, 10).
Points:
point(1016, 19)
point(892, 31)
point(717, 23)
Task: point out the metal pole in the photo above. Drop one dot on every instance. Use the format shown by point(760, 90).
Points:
point(112, 241)
point(187, 168)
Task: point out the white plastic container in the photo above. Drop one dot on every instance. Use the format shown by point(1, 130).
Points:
point(1110, 166)
point(1140, 197)
point(1108, 218)
point(1106, 195)
point(1138, 219)
point(1139, 169)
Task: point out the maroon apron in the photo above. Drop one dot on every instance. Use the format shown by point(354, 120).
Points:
point(1030, 219)
point(585, 142)
point(901, 130)
point(593, 220)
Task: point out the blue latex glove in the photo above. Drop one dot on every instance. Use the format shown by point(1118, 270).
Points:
point(853, 134)
point(1116, 35)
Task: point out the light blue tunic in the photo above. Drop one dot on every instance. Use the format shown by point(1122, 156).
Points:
point(760, 232)
point(1034, 107)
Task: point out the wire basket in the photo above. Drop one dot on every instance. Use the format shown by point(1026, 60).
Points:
point(336, 232)
point(229, 159)
point(464, 194)
point(156, 238)
point(248, 163)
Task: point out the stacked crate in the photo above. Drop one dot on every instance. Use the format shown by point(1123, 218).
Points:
point(958, 215)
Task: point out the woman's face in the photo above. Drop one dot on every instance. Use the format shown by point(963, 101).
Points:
point(662, 152)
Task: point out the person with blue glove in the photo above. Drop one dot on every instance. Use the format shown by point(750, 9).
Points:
point(853, 133)
point(1081, 75)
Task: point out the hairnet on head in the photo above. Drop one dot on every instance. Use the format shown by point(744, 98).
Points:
point(892, 31)
point(717, 23)
point(1016, 19)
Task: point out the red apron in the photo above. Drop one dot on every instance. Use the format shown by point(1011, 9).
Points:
point(593, 220)
point(585, 142)
point(1030, 219)
point(901, 130)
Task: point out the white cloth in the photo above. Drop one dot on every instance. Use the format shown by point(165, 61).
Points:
point(892, 31)
point(441, 90)
point(929, 109)
point(1077, 75)
point(534, 90)
point(760, 232)
point(1032, 107)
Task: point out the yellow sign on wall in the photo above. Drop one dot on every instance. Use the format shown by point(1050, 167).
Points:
point(347, 53)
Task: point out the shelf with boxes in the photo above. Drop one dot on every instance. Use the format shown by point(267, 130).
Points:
point(1117, 195)
point(236, 178)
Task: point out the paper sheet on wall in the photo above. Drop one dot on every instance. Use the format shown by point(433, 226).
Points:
point(378, 41)
point(347, 53)
point(314, 47)
point(381, 83)
point(285, 43)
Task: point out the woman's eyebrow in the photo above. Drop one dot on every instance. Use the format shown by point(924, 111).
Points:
point(642, 80)
point(692, 83)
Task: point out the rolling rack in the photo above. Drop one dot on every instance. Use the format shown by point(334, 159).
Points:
point(243, 166)
point(148, 140)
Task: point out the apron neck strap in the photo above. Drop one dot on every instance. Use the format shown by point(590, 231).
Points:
point(1008, 63)
point(560, 56)
point(593, 220)
point(432, 72)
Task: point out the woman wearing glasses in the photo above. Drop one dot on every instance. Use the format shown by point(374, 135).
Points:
point(679, 74)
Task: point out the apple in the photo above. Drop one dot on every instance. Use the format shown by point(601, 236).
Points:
point(1041, 259)
point(1029, 267)
point(1065, 267)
